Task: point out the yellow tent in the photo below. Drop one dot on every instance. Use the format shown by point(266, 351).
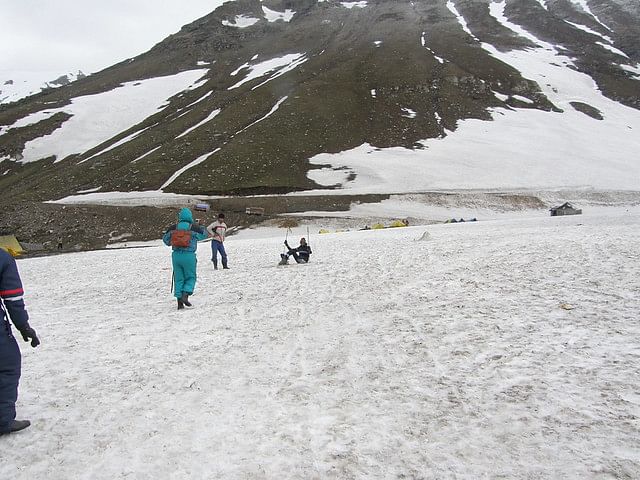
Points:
point(398, 223)
point(324, 230)
point(10, 244)
point(377, 226)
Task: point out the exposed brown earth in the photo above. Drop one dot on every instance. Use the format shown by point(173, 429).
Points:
point(88, 227)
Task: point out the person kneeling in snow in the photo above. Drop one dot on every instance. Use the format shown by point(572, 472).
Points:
point(300, 253)
point(183, 238)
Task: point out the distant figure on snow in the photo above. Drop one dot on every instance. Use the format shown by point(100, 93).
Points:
point(183, 239)
point(11, 306)
point(218, 230)
point(300, 254)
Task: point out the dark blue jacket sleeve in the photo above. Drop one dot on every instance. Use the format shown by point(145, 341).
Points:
point(11, 291)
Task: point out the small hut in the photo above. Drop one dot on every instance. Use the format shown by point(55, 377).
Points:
point(565, 209)
point(254, 211)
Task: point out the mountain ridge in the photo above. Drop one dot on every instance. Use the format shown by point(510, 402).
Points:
point(357, 75)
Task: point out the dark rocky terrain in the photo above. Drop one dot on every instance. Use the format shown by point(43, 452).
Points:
point(86, 227)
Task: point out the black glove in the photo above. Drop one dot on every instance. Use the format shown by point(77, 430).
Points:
point(29, 333)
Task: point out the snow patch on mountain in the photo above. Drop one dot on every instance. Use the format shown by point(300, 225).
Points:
point(408, 113)
point(633, 69)
point(97, 118)
point(241, 21)
point(21, 84)
point(543, 4)
point(502, 154)
point(116, 144)
point(274, 16)
point(585, 7)
point(496, 10)
point(273, 109)
point(190, 165)
point(461, 20)
point(129, 199)
point(30, 119)
point(615, 50)
point(146, 154)
point(506, 152)
point(589, 30)
point(208, 118)
point(275, 67)
point(350, 5)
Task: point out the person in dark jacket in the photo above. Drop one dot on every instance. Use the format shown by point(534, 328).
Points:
point(11, 307)
point(183, 258)
point(300, 254)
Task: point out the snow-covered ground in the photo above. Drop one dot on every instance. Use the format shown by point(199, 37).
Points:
point(497, 349)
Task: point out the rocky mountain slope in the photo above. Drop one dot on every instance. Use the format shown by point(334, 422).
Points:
point(283, 81)
point(244, 99)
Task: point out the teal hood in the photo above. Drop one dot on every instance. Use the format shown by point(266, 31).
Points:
point(185, 215)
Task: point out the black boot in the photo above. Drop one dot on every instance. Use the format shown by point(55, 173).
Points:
point(185, 300)
point(180, 304)
point(16, 426)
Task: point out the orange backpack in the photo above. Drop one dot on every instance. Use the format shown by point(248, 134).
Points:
point(180, 238)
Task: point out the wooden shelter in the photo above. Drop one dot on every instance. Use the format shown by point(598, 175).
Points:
point(565, 209)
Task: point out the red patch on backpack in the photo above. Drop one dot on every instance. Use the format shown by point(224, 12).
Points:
point(180, 238)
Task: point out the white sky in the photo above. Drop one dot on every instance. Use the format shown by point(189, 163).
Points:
point(71, 35)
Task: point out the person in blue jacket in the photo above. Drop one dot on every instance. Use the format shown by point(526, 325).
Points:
point(183, 238)
point(11, 307)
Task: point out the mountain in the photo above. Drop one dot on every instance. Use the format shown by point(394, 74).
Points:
point(347, 97)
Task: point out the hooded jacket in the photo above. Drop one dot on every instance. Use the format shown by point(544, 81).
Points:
point(185, 222)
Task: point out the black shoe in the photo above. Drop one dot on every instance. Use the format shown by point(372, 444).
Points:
point(180, 304)
point(225, 268)
point(16, 426)
point(185, 300)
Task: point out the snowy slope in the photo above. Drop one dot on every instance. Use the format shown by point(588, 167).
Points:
point(96, 118)
point(498, 349)
point(21, 84)
point(463, 98)
point(520, 148)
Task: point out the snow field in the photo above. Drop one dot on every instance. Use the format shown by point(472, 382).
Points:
point(505, 348)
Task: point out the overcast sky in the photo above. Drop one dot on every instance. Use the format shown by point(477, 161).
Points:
point(87, 35)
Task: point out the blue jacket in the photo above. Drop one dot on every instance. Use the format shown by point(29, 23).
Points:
point(11, 292)
point(185, 222)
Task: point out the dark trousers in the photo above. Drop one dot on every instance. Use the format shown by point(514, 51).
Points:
point(216, 247)
point(297, 257)
point(9, 376)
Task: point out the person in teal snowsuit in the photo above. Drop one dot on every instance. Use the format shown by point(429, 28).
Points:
point(184, 259)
